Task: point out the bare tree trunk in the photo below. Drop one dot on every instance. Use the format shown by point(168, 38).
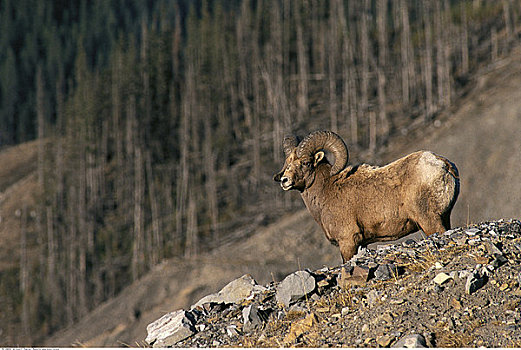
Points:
point(318, 44)
point(243, 53)
point(381, 26)
point(508, 20)
point(349, 95)
point(138, 250)
point(184, 146)
point(40, 120)
point(494, 46)
point(274, 81)
point(427, 64)
point(117, 128)
point(353, 106)
point(156, 244)
point(364, 43)
point(405, 49)
point(464, 40)
point(60, 135)
point(286, 40)
point(52, 279)
point(372, 132)
point(71, 285)
point(24, 276)
point(192, 233)
point(381, 23)
point(302, 61)
point(439, 52)
point(447, 51)
point(80, 174)
point(256, 90)
point(176, 46)
point(332, 39)
point(211, 182)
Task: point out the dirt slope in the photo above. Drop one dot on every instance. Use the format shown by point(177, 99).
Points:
point(482, 136)
point(270, 254)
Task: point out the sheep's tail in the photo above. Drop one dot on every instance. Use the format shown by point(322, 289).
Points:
point(453, 171)
point(451, 167)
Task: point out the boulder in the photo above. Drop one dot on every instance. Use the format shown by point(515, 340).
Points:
point(252, 317)
point(233, 293)
point(170, 329)
point(354, 276)
point(294, 287)
point(387, 271)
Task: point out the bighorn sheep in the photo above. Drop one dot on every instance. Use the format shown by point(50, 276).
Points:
point(362, 204)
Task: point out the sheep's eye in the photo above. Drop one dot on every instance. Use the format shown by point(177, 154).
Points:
point(306, 163)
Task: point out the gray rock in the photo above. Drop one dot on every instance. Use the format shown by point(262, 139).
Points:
point(251, 317)
point(499, 261)
point(472, 231)
point(411, 341)
point(345, 311)
point(474, 241)
point(233, 293)
point(410, 243)
point(449, 232)
point(474, 282)
point(295, 286)
point(385, 272)
point(231, 330)
point(373, 297)
point(170, 329)
point(492, 249)
point(441, 278)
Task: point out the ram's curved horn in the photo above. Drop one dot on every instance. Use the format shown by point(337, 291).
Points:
point(328, 141)
point(290, 142)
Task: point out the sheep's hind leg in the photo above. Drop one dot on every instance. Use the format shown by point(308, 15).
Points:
point(445, 217)
point(432, 225)
point(347, 251)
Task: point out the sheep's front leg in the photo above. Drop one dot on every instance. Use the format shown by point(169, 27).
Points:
point(347, 251)
point(349, 244)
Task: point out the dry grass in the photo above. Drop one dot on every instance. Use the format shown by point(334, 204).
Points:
point(294, 315)
point(445, 339)
point(428, 258)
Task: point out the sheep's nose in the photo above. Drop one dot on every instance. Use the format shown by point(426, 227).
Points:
point(284, 180)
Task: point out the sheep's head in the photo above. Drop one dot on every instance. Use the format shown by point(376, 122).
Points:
point(303, 158)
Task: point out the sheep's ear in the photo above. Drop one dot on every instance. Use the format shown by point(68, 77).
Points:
point(318, 157)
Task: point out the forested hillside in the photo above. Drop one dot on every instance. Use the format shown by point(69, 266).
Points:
point(159, 127)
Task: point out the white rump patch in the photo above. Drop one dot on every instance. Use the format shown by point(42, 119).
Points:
point(431, 167)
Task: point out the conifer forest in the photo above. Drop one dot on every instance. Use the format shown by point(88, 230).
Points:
point(159, 124)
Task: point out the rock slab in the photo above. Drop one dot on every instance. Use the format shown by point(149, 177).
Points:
point(387, 271)
point(251, 317)
point(170, 329)
point(442, 278)
point(411, 341)
point(233, 293)
point(295, 286)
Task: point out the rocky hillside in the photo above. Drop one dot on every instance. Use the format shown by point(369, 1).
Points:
point(480, 134)
point(460, 288)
